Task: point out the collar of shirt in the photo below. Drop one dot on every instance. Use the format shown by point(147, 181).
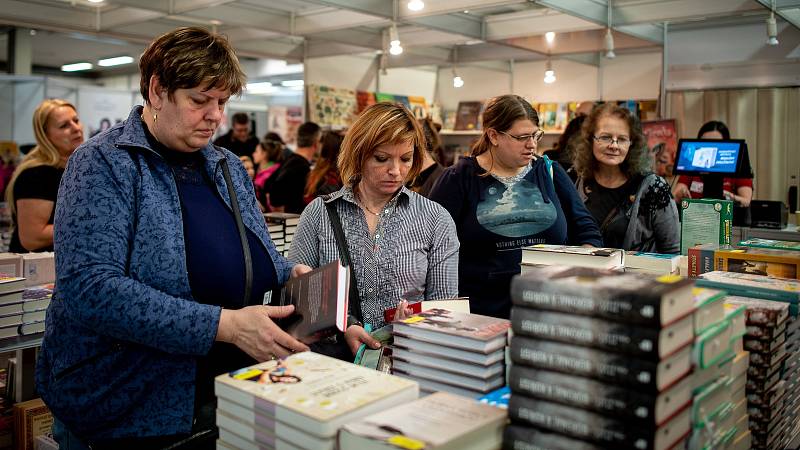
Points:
point(346, 193)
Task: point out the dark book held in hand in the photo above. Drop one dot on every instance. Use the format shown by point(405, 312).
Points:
point(320, 302)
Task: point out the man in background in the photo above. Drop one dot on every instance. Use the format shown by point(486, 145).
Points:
point(238, 139)
point(286, 186)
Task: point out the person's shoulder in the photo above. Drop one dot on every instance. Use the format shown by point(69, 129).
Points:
point(423, 205)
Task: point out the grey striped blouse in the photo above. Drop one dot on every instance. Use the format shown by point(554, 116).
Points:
point(413, 254)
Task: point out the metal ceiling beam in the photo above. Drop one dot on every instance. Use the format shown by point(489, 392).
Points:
point(504, 26)
point(245, 17)
point(649, 32)
point(378, 8)
point(453, 23)
point(126, 16)
point(358, 37)
point(66, 17)
point(335, 20)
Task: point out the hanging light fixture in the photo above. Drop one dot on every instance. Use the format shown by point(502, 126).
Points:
point(457, 80)
point(549, 73)
point(394, 41)
point(772, 27)
point(609, 44)
point(416, 5)
point(609, 38)
point(550, 37)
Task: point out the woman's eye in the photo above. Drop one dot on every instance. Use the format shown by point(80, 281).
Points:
point(381, 159)
point(406, 160)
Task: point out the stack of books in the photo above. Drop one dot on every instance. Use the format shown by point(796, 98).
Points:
point(791, 374)
point(600, 360)
point(440, 421)
point(456, 352)
point(750, 260)
point(301, 401)
point(767, 399)
point(11, 305)
point(281, 227)
point(652, 263)
point(567, 255)
point(755, 286)
point(35, 302)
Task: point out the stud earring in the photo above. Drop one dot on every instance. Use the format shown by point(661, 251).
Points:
point(155, 117)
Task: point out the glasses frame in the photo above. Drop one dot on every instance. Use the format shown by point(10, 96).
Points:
point(524, 138)
point(599, 140)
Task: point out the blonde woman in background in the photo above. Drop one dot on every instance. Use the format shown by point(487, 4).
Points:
point(31, 193)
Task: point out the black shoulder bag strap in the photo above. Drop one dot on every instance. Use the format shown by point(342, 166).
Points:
point(237, 216)
point(344, 256)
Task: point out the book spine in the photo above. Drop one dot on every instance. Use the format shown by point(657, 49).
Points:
point(750, 291)
point(517, 437)
point(726, 222)
point(707, 261)
point(580, 424)
point(584, 361)
point(694, 262)
point(641, 307)
point(611, 399)
point(589, 331)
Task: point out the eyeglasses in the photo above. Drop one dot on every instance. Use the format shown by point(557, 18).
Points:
point(604, 139)
point(523, 138)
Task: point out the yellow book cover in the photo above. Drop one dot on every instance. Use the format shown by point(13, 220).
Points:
point(759, 261)
point(314, 392)
point(31, 419)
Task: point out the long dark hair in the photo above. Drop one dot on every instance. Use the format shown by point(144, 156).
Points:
point(714, 125)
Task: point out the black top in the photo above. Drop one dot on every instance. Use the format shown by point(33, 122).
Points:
point(426, 179)
point(605, 203)
point(214, 259)
point(239, 148)
point(41, 183)
point(286, 186)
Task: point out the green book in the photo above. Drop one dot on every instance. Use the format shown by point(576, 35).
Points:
point(771, 243)
point(705, 221)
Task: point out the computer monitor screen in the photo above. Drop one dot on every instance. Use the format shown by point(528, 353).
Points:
point(709, 156)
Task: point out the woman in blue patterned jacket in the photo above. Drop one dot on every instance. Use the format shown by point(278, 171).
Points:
point(162, 261)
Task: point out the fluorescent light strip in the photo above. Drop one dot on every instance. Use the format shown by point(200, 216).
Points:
point(116, 61)
point(292, 83)
point(76, 67)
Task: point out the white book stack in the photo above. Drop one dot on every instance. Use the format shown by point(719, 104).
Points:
point(282, 236)
point(301, 401)
point(456, 352)
point(652, 263)
point(11, 305)
point(35, 302)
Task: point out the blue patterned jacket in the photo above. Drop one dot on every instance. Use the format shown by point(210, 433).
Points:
point(123, 332)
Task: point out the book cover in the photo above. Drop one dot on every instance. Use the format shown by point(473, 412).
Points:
point(456, 329)
point(467, 116)
point(438, 421)
point(31, 419)
point(320, 302)
point(497, 398)
point(771, 244)
point(313, 392)
point(602, 258)
point(705, 221)
point(611, 399)
point(285, 219)
point(758, 286)
point(662, 141)
point(10, 284)
point(712, 345)
point(583, 424)
point(625, 297)
point(759, 261)
point(460, 304)
point(646, 376)
point(418, 106)
point(640, 341)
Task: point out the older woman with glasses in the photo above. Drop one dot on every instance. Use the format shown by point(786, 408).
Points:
point(633, 206)
point(505, 197)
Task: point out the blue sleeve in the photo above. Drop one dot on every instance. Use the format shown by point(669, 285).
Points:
point(581, 226)
point(95, 224)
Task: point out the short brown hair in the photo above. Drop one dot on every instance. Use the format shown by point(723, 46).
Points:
point(380, 124)
point(637, 160)
point(240, 118)
point(189, 57)
point(500, 114)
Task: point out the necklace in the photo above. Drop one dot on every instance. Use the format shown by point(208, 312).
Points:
point(513, 179)
point(365, 208)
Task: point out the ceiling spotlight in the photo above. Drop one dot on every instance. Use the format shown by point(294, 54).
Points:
point(609, 44)
point(416, 5)
point(458, 81)
point(116, 61)
point(772, 29)
point(292, 83)
point(259, 87)
point(76, 67)
point(550, 36)
point(96, 1)
point(549, 73)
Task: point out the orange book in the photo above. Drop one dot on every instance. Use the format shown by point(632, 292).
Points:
point(31, 419)
point(759, 261)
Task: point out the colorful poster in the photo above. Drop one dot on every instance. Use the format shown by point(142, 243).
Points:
point(662, 140)
point(364, 100)
point(294, 118)
point(547, 115)
point(331, 106)
point(418, 106)
point(383, 97)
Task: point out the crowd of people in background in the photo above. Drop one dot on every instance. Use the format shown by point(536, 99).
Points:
point(134, 341)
